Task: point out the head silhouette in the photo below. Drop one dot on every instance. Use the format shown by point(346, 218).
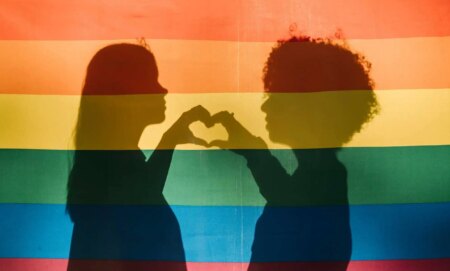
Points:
point(109, 106)
point(331, 93)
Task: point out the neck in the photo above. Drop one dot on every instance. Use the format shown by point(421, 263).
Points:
point(109, 136)
point(316, 157)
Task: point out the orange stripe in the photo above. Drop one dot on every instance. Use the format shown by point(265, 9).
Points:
point(221, 19)
point(59, 67)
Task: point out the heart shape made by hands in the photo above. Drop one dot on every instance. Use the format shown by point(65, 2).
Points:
point(215, 132)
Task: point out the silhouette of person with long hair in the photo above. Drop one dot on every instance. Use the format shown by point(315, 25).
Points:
point(115, 197)
point(319, 116)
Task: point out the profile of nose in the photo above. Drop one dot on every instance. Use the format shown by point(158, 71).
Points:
point(155, 88)
point(161, 89)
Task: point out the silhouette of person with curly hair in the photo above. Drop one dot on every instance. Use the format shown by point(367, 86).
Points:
point(306, 217)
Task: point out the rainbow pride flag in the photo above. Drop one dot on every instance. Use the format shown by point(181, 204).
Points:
point(223, 209)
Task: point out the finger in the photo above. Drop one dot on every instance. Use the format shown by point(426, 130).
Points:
point(200, 110)
point(198, 141)
point(230, 123)
point(225, 118)
point(219, 143)
point(198, 113)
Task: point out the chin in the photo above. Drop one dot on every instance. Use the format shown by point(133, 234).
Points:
point(280, 136)
point(155, 117)
point(161, 118)
point(272, 130)
point(273, 136)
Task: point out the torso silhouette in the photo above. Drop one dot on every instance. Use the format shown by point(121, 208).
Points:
point(130, 218)
point(318, 229)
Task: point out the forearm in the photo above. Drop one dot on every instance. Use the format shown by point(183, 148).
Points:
point(267, 171)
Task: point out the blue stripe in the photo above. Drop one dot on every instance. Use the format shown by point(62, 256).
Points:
point(214, 234)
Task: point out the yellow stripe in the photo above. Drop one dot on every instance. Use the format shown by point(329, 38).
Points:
point(407, 117)
point(58, 67)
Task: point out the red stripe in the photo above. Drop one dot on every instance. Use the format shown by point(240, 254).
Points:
point(62, 265)
point(221, 19)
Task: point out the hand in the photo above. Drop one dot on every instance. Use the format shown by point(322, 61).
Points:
point(179, 132)
point(238, 136)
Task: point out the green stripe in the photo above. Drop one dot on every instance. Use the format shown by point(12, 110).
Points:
point(217, 177)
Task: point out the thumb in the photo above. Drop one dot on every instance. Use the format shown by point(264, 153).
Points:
point(198, 141)
point(219, 143)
